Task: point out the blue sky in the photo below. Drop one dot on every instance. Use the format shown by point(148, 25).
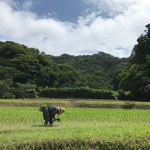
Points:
point(75, 27)
point(64, 10)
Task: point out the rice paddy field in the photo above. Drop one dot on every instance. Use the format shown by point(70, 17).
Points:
point(80, 127)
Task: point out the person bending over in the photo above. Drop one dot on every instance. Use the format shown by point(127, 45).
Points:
point(49, 113)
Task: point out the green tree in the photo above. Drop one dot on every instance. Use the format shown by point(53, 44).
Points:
point(6, 89)
point(25, 90)
point(136, 76)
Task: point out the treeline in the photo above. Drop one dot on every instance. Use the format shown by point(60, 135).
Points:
point(134, 79)
point(26, 69)
point(78, 93)
point(96, 71)
point(27, 72)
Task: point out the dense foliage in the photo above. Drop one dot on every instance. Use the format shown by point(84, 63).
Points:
point(25, 71)
point(135, 78)
point(97, 71)
point(77, 93)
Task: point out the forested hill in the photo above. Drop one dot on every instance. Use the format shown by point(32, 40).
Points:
point(97, 71)
point(22, 65)
point(24, 69)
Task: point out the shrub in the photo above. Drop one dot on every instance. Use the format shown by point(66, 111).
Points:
point(125, 95)
point(6, 89)
point(76, 93)
point(25, 90)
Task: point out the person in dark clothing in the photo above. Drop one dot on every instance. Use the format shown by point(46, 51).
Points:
point(49, 113)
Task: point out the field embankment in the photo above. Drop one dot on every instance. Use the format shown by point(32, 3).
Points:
point(90, 103)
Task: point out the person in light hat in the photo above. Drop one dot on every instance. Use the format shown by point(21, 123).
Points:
point(49, 113)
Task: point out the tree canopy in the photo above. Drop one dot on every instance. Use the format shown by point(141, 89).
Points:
point(25, 71)
point(96, 71)
point(136, 76)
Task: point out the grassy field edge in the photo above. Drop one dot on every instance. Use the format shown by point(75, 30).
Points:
point(84, 144)
point(116, 104)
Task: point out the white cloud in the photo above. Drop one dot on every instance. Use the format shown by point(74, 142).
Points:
point(27, 4)
point(116, 35)
point(111, 7)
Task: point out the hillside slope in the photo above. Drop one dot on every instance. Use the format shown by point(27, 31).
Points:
point(97, 71)
point(23, 65)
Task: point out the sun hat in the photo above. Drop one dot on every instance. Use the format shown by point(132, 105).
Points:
point(61, 110)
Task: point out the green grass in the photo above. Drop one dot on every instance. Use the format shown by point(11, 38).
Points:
point(101, 127)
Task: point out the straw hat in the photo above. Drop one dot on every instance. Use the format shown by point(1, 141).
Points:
point(61, 110)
